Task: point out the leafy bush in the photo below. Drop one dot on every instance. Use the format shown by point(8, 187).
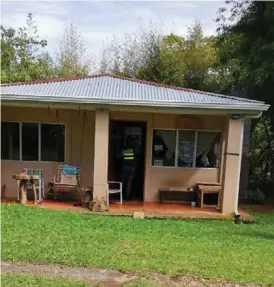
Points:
point(257, 196)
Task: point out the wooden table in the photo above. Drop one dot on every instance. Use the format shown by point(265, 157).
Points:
point(173, 194)
point(209, 188)
point(21, 180)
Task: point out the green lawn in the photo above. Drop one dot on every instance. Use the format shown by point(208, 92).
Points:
point(19, 280)
point(223, 250)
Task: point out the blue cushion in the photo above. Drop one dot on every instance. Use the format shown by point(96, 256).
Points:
point(71, 170)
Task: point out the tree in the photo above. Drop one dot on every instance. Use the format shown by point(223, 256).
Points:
point(245, 47)
point(22, 54)
point(133, 52)
point(170, 59)
point(199, 57)
point(72, 57)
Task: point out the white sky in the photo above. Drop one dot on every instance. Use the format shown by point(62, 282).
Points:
point(98, 21)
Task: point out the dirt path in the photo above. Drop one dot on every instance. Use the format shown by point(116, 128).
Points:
point(111, 278)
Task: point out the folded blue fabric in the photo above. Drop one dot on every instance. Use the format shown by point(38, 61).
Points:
point(70, 170)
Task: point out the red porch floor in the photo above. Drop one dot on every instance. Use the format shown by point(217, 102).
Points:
point(150, 210)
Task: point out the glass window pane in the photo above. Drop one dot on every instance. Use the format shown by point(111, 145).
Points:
point(30, 141)
point(163, 147)
point(53, 142)
point(186, 147)
point(208, 149)
point(10, 143)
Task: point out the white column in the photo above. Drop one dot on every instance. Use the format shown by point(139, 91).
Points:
point(232, 165)
point(100, 167)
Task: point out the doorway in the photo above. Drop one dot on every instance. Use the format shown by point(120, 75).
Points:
point(118, 133)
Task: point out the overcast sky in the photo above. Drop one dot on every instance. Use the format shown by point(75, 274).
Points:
point(99, 21)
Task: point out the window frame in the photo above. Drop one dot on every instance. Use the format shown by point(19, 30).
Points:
point(39, 141)
point(195, 150)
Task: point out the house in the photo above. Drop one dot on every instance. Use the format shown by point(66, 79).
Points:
point(186, 136)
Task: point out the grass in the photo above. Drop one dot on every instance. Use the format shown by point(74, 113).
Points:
point(221, 250)
point(20, 280)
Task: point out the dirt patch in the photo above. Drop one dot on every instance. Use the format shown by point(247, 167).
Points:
point(104, 276)
point(267, 208)
point(160, 280)
point(111, 278)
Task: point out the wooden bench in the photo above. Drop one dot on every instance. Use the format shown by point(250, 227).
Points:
point(177, 194)
point(209, 188)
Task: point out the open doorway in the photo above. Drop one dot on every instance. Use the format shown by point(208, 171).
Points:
point(119, 131)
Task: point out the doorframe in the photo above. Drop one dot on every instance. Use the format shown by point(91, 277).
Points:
point(145, 125)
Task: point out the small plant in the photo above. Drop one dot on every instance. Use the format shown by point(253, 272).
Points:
point(257, 196)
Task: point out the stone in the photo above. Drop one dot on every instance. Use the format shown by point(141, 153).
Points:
point(139, 214)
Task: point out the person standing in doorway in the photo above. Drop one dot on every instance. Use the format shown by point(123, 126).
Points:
point(130, 157)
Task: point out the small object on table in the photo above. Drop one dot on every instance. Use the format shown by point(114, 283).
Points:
point(22, 180)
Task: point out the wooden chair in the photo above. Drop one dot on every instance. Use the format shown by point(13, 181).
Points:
point(38, 183)
point(64, 182)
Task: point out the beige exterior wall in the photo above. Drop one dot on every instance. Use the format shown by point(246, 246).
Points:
point(155, 177)
point(74, 142)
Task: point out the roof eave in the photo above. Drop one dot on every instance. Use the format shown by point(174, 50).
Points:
point(254, 106)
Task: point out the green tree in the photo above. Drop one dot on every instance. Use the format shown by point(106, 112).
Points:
point(199, 57)
point(22, 54)
point(170, 59)
point(72, 58)
point(246, 48)
point(130, 54)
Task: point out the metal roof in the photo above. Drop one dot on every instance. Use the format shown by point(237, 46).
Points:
point(111, 90)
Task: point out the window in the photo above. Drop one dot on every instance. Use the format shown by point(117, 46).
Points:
point(10, 143)
point(52, 142)
point(30, 141)
point(186, 148)
point(33, 142)
point(163, 152)
point(208, 149)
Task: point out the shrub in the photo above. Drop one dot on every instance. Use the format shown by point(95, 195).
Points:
point(257, 196)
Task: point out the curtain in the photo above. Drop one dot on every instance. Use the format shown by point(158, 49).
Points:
point(205, 142)
point(168, 137)
point(186, 147)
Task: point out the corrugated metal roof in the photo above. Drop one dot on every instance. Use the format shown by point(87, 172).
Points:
point(116, 90)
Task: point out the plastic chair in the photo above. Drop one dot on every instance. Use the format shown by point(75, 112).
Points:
point(39, 184)
point(115, 190)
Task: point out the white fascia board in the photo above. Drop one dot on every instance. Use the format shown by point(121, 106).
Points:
point(241, 106)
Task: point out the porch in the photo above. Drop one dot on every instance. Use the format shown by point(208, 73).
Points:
point(87, 140)
point(150, 210)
